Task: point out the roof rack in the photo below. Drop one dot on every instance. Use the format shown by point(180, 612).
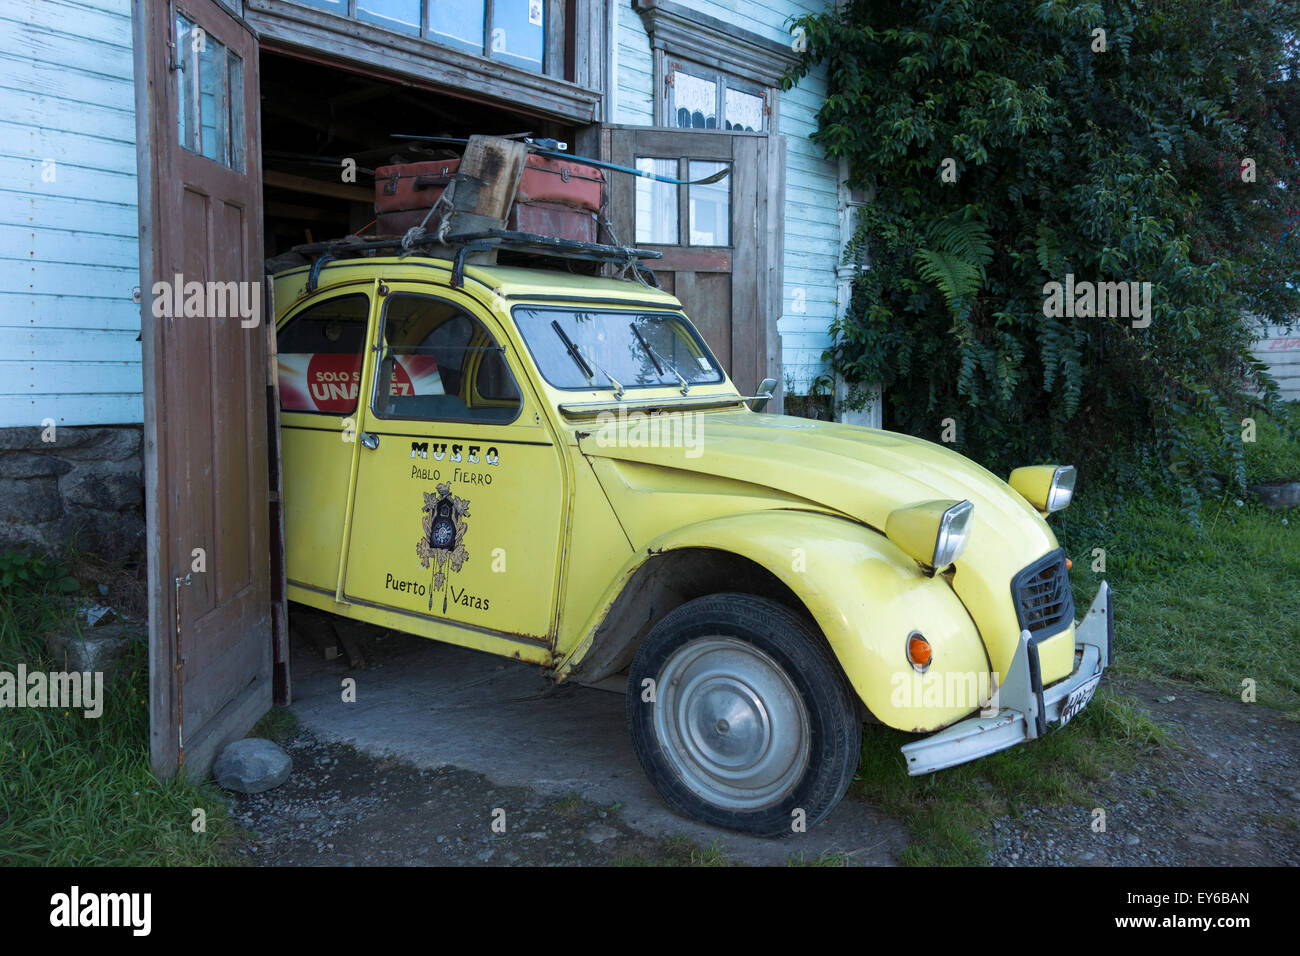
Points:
point(459, 246)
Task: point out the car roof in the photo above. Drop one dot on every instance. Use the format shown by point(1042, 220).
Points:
point(509, 282)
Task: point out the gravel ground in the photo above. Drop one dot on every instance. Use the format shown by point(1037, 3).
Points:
point(1224, 793)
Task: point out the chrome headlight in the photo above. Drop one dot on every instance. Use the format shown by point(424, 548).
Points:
point(932, 533)
point(954, 532)
point(1047, 488)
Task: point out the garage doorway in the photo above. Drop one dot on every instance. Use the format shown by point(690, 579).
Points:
point(316, 115)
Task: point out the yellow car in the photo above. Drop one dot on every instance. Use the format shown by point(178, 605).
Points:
point(555, 468)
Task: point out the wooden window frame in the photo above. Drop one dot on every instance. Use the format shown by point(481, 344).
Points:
point(711, 49)
point(570, 88)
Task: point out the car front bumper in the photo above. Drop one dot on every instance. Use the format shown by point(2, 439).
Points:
point(1025, 708)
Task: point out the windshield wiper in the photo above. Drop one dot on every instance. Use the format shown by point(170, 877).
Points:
point(582, 363)
point(618, 388)
point(656, 358)
point(572, 349)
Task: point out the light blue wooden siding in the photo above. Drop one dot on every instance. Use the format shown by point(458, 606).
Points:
point(69, 252)
point(812, 230)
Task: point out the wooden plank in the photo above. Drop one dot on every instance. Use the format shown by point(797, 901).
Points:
point(56, 212)
point(59, 377)
point(32, 108)
point(63, 278)
point(485, 185)
point(58, 16)
point(318, 187)
point(71, 408)
point(23, 311)
point(281, 678)
point(36, 244)
point(747, 231)
point(774, 257)
point(75, 148)
point(77, 81)
point(34, 176)
point(37, 45)
point(291, 28)
point(30, 343)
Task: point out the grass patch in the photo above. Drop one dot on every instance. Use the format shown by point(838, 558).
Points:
point(277, 725)
point(1212, 606)
point(679, 851)
point(79, 792)
point(945, 811)
point(566, 805)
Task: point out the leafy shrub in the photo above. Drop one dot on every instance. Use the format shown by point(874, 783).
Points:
point(1117, 166)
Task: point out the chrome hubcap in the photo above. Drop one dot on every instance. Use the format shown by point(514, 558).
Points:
point(731, 723)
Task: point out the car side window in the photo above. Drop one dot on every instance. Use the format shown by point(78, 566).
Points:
point(319, 356)
point(441, 364)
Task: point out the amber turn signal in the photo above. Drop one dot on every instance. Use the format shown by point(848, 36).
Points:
point(918, 651)
point(1068, 564)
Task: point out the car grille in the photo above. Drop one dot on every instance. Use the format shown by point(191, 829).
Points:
point(1042, 595)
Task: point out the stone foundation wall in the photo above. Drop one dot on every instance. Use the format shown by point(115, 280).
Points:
point(86, 485)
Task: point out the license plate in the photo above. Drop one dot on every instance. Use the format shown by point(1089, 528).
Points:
point(1078, 700)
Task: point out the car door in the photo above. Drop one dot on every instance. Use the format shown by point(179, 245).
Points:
point(320, 347)
point(460, 493)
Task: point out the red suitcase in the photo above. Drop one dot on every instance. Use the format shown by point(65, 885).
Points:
point(556, 197)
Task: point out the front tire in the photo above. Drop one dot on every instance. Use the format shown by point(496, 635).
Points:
point(748, 720)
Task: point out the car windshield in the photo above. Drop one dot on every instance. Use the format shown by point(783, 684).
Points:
point(608, 349)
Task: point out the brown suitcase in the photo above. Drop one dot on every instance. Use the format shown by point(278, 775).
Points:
point(556, 197)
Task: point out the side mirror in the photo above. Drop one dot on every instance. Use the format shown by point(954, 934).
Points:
point(764, 395)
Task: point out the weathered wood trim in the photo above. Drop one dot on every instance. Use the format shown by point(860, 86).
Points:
point(775, 269)
point(693, 35)
point(420, 62)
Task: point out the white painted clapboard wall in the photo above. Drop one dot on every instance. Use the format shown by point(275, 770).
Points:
point(1280, 349)
point(69, 256)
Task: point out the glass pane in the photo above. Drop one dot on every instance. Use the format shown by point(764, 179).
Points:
point(694, 102)
point(458, 23)
point(187, 125)
point(401, 15)
point(710, 207)
point(441, 364)
point(210, 96)
point(648, 349)
point(236, 161)
point(214, 104)
point(744, 111)
point(519, 32)
point(319, 356)
point(656, 203)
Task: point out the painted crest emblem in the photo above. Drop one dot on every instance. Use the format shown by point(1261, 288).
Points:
point(442, 546)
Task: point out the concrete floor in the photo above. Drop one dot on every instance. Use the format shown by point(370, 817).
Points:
point(434, 705)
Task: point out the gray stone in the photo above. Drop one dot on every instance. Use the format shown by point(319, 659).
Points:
point(108, 443)
point(103, 649)
point(101, 492)
point(30, 465)
point(252, 765)
point(29, 500)
point(599, 833)
point(1278, 495)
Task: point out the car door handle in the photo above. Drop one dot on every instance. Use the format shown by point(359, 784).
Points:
point(370, 440)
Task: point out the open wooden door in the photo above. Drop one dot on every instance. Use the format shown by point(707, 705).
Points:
point(204, 355)
point(722, 243)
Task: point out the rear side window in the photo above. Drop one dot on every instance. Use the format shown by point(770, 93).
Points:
point(319, 356)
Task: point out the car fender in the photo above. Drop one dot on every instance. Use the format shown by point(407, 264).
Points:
point(865, 595)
